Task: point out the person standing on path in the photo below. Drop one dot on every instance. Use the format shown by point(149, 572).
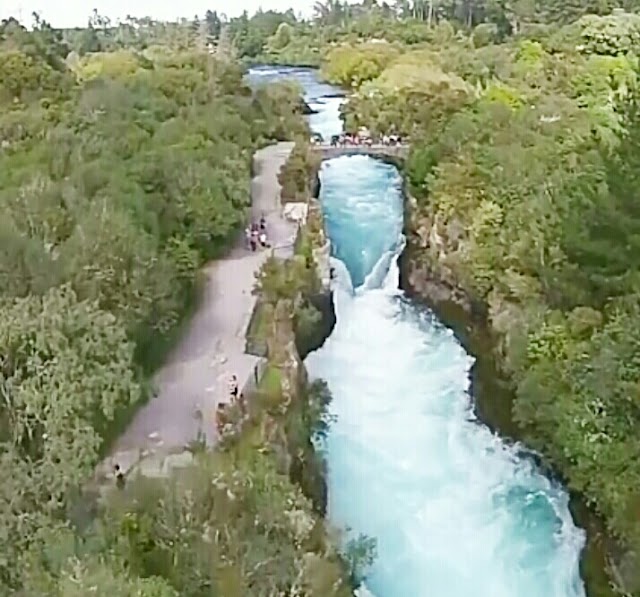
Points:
point(221, 419)
point(119, 475)
point(242, 402)
point(233, 388)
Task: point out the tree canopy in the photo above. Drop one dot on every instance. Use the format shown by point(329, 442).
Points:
point(125, 165)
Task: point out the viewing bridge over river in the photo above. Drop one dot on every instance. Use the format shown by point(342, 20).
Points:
point(392, 152)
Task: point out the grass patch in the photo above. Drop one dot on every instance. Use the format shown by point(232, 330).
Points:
point(248, 442)
point(270, 388)
point(271, 381)
point(262, 322)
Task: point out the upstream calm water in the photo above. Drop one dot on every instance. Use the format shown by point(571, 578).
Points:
point(321, 97)
point(455, 511)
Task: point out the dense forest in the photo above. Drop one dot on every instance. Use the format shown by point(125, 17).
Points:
point(125, 152)
point(125, 164)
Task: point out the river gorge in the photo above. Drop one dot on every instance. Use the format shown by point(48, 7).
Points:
point(455, 510)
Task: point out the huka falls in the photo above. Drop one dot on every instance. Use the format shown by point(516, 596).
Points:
point(454, 510)
point(326, 298)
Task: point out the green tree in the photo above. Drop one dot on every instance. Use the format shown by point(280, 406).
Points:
point(68, 374)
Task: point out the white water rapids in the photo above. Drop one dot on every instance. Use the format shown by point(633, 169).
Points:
point(454, 510)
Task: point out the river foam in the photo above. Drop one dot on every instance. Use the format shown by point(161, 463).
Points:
point(454, 510)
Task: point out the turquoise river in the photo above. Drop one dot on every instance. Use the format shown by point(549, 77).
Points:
point(454, 510)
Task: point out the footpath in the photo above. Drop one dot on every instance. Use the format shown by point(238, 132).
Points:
point(196, 376)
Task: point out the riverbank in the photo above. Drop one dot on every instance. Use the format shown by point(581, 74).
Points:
point(492, 392)
point(290, 61)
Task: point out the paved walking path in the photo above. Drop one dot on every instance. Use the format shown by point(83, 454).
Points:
point(196, 375)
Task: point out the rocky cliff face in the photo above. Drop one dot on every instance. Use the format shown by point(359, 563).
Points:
point(426, 275)
point(293, 436)
point(425, 265)
point(282, 350)
point(320, 244)
point(322, 301)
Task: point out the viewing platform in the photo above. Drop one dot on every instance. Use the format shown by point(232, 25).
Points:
point(393, 152)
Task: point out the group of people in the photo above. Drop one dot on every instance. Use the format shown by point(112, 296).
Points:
point(348, 139)
point(236, 399)
point(256, 234)
point(360, 139)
